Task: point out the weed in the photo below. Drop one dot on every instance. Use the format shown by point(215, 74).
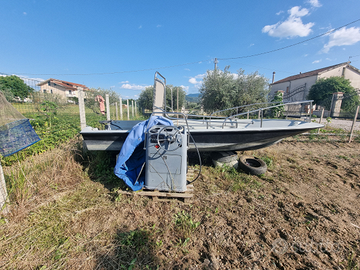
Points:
point(351, 263)
point(343, 157)
point(184, 224)
point(268, 161)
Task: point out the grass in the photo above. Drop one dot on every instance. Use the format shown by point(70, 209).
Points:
point(66, 214)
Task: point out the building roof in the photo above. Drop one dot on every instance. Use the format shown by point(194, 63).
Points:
point(65, 84)
point(314, 73)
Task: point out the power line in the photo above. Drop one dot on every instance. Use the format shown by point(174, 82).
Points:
point(292, 45)
point(116, 72)
point(191, 63)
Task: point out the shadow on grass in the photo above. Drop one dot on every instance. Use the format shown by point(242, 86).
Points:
point(129, 250)
point(99, 165)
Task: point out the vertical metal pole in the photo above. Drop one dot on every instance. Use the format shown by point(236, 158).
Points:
point(262, 115)
point(107, 107)
point(3, 193)
point(117, 111)
point(353, 124)
point(132, 108)
point(135, 109)
point(121, 109)
point(259, 114)
point(128, 109)
point(248, 115)
point(82, 108)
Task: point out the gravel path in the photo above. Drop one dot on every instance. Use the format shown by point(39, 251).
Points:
point(344, 124)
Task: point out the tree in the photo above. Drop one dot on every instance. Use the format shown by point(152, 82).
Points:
point(145, 100)
point(222, 89)
point(92, 93)
point(16, 86)
point(321, 92)
point(147, 96)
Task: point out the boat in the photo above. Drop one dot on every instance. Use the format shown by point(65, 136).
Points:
point(213, 133)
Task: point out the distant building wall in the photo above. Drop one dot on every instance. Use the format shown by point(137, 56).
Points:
point(57, 90)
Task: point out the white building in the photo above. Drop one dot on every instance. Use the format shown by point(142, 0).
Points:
point(61, 88)
point(296, 87)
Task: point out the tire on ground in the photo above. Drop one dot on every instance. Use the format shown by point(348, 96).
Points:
point(252, 165)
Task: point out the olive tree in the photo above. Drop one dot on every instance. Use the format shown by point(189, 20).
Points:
point(223, 89)
point(146, 97)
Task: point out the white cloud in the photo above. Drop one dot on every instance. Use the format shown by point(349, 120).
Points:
point(280, 12)
point(292, 26)
point(135, 87)
point(124, 82)
point(193, 81)
point(314, 3)
point(197, 80)
point(24, 13)
point(159, 25)
point(316, 61)
point(185, 88)
point(342, 37)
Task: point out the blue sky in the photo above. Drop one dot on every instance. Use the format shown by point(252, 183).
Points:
point(119, 44)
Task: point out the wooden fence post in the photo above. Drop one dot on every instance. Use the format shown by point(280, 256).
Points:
point(117, 111)
point(82, 108)
point(3, 193)
point(121, 109)
point(132, 108)
point(107, 107)
point(128, 109)
point(353, 124)
point(321, 118)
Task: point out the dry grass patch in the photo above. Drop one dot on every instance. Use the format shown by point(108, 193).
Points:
point(71, 217)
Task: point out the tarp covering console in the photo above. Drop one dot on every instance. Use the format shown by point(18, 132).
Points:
point(132, 154)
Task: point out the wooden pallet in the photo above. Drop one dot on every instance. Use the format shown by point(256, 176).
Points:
point(163, 195)
point(157, 195)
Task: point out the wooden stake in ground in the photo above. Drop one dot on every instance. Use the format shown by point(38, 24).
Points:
point(117, 114)
point(107, 107)
point(321, 118)
point(3, 193)
point(353, 124)
point(121, 111)
point(128, 109)
point(82, 108)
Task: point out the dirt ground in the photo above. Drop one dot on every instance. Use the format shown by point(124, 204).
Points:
point(306, 213)
point(303, 213)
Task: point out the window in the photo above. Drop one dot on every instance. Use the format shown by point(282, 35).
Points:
point(51, 91)
point(44, 90)
point(69, 92)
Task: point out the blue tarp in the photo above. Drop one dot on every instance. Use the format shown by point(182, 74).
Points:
point(132, 155)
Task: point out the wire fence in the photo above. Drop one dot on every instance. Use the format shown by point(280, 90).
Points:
point(48, 105)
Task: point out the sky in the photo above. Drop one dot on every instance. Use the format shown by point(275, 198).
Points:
point(119, 45)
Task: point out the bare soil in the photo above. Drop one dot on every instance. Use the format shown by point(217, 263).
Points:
point(303, 213)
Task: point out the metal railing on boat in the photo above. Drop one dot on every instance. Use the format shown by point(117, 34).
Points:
point(212, 119)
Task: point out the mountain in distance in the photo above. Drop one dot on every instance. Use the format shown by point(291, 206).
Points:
point(193, 97)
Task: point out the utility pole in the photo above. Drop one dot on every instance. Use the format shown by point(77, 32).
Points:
point(215, 63)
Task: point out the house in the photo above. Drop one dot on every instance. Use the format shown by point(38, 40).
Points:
point(296, 87)
point(61, 88)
